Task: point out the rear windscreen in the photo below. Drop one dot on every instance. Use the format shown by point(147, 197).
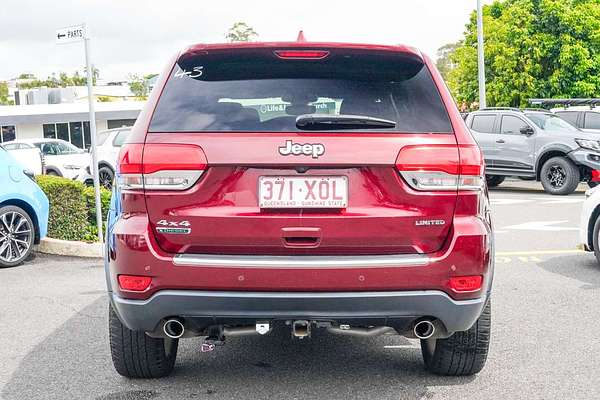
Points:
point(254, 90)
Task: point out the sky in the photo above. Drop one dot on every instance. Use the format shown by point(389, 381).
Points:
point(138, 36)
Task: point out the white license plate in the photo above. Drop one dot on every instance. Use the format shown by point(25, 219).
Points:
point(303, 192)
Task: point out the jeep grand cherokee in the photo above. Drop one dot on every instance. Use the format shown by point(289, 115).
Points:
point(300, 186)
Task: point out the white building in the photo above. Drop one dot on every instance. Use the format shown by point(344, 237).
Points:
point(72, 94)
point(67, 121)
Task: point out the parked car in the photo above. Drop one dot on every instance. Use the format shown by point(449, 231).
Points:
point(535, 144)
point(306, 186)
point(589, 228)
point(108, 146)
point(581, 113)
point(30, 158)
point(23, 211)
point(61, 158)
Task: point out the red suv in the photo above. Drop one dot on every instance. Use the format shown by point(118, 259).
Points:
point(299, 186)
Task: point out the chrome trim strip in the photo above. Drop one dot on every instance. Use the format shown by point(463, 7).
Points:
point(242, 261)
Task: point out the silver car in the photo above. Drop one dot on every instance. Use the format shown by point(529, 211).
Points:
point(535, 144)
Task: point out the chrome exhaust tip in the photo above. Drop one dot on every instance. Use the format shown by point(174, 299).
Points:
point(174, 328)
point(424, 329)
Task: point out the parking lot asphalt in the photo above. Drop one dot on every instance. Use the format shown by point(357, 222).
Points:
point(54, 342)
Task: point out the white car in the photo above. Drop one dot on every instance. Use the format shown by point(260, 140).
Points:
point(30, 158)
point(108, 146)
point(60, 157)
point(589, 228)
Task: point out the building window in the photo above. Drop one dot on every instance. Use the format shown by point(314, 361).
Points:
point(7, 133)
point(87, 141)
point(50, 131)
point(119, 123)
point(77, 133)
point(62, 132)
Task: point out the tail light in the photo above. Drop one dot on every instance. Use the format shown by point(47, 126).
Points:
point(160, 166)
point(441, 167)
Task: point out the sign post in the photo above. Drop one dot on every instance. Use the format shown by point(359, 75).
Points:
point(481, 56)
point(73, 34)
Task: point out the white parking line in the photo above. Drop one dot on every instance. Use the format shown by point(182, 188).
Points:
point(508, 202)
point(544, 226)
point(513, 201)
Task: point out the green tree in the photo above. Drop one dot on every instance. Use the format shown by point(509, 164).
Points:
point(444, 62)
point(138, 86)
point(533, 48)
point(241, 32)
point(4, 94)
point(63, 80)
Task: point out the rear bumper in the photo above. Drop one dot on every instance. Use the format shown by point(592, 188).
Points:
point(131, 249)
point(221, 307)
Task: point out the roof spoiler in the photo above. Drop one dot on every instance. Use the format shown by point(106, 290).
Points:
point(564, 102)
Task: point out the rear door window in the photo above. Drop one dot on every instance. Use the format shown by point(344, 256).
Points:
point(483, 123)
point(569, 116)
point(592, 120)
point(254, 90)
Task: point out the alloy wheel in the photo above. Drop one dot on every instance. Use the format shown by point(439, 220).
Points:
point(556, 176)
point(16, 236)
point(105, 179)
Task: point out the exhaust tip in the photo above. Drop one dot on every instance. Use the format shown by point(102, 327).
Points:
point(174, 328)
point(424, 329)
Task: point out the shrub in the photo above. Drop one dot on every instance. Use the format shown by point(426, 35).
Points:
point(90, 200)
point(72, 208)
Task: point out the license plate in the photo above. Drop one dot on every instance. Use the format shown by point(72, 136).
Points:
point(303, 192)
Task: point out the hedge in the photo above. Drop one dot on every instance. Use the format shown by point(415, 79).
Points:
point(72, 208)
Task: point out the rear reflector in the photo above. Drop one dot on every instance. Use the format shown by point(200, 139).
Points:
point(463, 284)
point(134, 283)
point(441, 167)
point(161, 166)
point(302, 54)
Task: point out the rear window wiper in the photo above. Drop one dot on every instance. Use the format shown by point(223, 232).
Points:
point(316, 122)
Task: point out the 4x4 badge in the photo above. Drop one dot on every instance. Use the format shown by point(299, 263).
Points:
point(309, 149)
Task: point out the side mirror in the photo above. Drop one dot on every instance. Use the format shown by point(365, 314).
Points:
point(527, 130)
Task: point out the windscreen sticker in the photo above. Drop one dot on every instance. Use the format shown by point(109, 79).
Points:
point(196, 72)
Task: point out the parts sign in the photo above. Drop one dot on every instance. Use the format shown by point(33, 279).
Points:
point(70, 34)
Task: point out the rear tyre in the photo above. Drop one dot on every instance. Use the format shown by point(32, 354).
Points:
point(560, 176)
point(494, 180)
point(52, 173)
point(137, 355)
point(463, 353)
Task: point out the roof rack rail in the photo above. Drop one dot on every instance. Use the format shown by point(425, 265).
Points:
point(541, 110)
point(501, 109)
point(564, 102)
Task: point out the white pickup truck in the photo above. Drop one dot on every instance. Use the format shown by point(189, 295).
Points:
point(31, 158)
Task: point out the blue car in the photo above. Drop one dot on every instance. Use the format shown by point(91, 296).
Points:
point(23, 212)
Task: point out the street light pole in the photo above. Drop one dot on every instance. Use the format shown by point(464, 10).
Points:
point(480, 55)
